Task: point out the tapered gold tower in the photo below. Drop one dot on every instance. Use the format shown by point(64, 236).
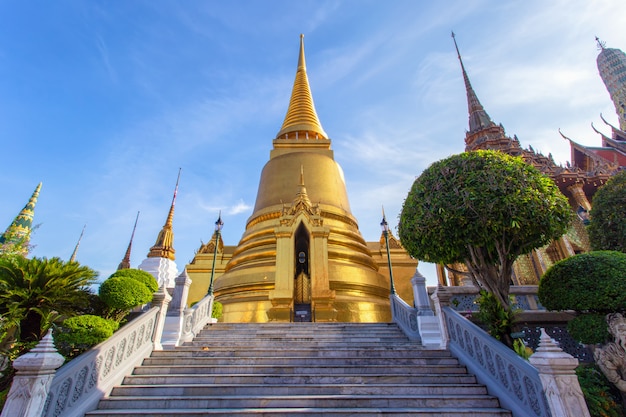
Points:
point(302, 256)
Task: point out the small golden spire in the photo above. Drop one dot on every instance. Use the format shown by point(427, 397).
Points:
point(125, 264)
point(301, 116)
point(164, 246)
point(302, 198)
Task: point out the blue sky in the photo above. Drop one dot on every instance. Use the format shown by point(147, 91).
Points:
point(104, 101)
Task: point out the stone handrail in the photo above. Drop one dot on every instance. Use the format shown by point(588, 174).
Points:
point(197, 317)
point(512, 379)
point(80, 384)
point(405, 317)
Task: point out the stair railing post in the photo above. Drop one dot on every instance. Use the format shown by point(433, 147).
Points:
point(442, 297)
point(175, 318)
point(429, 326)
point(35, 371)
point(162, 300)
point(559, 380)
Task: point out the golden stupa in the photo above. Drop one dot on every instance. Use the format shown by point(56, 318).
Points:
point(302, 256)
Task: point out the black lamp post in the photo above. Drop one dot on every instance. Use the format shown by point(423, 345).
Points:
point(218, 228)
point(385, 228)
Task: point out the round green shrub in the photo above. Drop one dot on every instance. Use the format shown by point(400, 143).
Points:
point(124, 293)
point(594, 281)
point(217, 310)
point(86, 330)
point(589, 328)
point(137, 274)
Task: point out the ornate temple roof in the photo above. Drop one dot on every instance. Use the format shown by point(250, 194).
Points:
point(19, 230)
point(164, 246)
point(301, 116)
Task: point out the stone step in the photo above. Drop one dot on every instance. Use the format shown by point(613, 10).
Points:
point(252, 351)
point(303, 369)
point(300, 401)
point(293, 379)
point(296, 360)
point(298, 370)
point(308, 412)
point(470, 387)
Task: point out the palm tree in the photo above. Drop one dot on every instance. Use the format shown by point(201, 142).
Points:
point(36, 292)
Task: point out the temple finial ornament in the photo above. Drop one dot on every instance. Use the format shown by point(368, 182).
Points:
point(164, 246)
point(125, 264)
point(301, 120)
point(73, 257)
point(478, 117)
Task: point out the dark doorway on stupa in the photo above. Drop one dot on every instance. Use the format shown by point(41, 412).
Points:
point(302, 284)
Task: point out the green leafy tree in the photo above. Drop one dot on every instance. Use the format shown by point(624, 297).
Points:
point(607, 229)
point(592, 284)
point(483, 209)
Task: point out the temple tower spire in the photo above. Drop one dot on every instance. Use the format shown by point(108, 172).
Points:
point(17, 235)
point(160, 261)
point(164, 245)
point(125, 264)
point(313, 235)
point(73, 257)
point(478, 117)
point(612, 67)
point(301, 121)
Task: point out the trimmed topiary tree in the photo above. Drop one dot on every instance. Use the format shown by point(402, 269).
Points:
point(592, 284)
point(77, 334)
point(121, 294)
point(607, 229)
point(144, 277)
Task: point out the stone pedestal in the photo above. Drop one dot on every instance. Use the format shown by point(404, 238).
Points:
point(35, 371)
point(560, 383)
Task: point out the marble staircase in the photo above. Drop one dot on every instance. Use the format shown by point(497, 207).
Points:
point(300, 369)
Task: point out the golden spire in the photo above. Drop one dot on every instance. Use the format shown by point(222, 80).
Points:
point(73, 257)
point(164, 246)
point(301, 117)
point(125, 264)
point(302, 195)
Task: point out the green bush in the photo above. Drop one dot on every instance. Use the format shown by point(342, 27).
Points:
point(137, 274)
point(589, 328)
point(77, 334)
point(121, 294)
point(602, 400)
point(594, 281)
point(217, 310)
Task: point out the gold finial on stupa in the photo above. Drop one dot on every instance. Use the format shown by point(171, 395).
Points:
point(301, 121)
point(164, 246)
